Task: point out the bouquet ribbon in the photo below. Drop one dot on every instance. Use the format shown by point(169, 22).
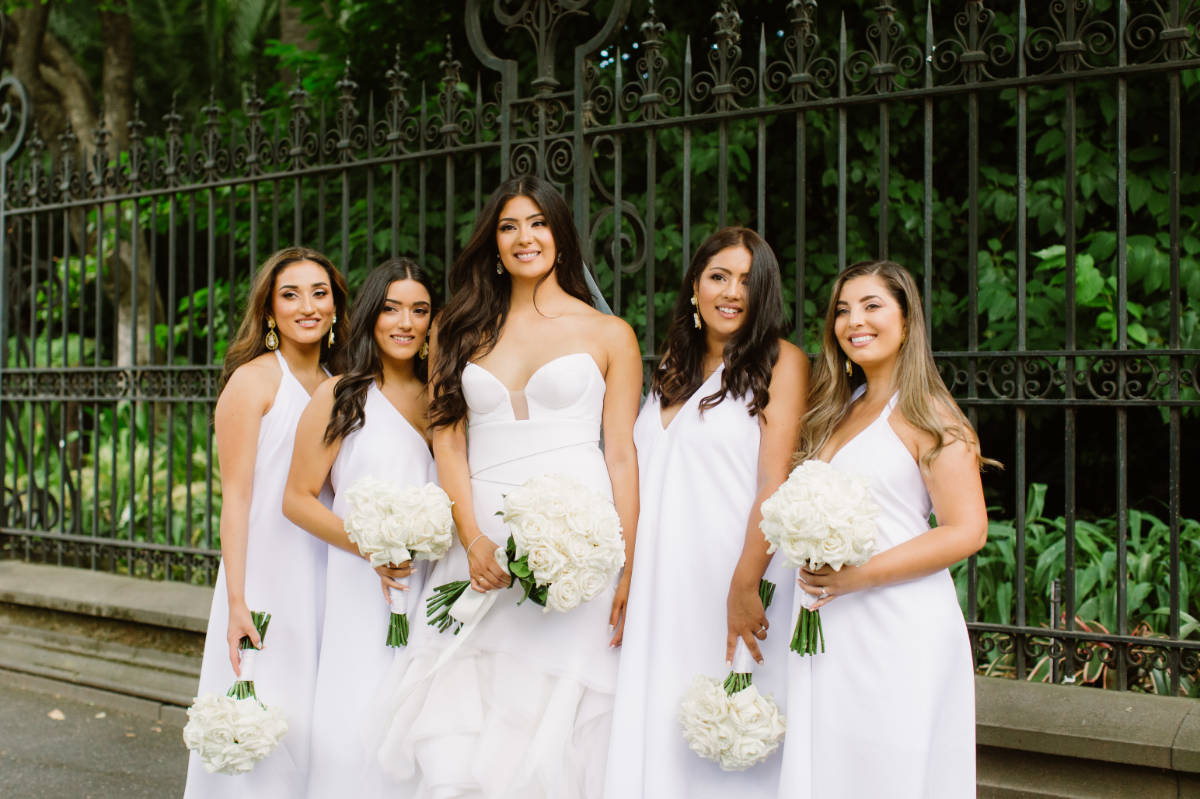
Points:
point(743, 661)
point(246, 665)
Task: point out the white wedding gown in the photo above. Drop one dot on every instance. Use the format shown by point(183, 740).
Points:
point(889, 708)
point(523, 705)
point(354, 653)
point(285, 576)
point(697, 482)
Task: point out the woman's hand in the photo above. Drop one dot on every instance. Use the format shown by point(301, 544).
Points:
point(240, 625)
point(486, 573)
point(824, 583)
point(390, 575)
point(746, 619)
point(616, 619)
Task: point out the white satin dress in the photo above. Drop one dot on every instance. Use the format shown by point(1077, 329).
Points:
point(523, 706)
point(698, 479)
point(889, 708)
point(285, 575)
point(354, 653)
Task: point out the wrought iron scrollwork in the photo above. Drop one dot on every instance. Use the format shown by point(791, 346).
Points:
point(727, 79)
point(888, 62)
point(653, 91)
point(804, 74)
point(348, 136)
point(1075, 39)
point(1171, 34)
point(977, 48)
point(397, 130)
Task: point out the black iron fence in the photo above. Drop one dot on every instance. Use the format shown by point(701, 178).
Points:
point(1028, 163)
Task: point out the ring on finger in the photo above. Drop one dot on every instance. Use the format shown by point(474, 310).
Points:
point(824, 594)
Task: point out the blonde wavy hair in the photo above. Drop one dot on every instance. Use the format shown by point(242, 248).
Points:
point(922, 392)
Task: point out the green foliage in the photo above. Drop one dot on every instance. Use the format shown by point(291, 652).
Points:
point(1147, 583)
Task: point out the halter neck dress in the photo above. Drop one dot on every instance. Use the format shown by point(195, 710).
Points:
point(522, 708)
point(698, 479)
point(285, 575)
point(354, 654)
point(889, 708)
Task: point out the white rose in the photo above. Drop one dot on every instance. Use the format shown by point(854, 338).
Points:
point(564, 594)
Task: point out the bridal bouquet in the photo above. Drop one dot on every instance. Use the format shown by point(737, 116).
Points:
point(231, 733)
point(565, 547)
point(394, 524)
point(820, 515)
point(730, 722)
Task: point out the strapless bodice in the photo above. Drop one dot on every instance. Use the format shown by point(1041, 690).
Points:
point(567, 387)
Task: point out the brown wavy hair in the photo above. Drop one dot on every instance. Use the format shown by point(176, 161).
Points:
point(364, 365)
point(750, 354)
point(922, 392)
point(249, 343)
point(471, 322)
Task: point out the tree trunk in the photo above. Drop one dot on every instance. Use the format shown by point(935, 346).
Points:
point(292, 30)
point(61, 96)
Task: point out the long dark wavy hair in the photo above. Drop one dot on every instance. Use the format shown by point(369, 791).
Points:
point(750, 354)
point(364, 363)
point(479, 298)
point(249, 342)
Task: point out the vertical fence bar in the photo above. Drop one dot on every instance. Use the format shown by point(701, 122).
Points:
point(686, 214)
point(1174, 144)
point(841, 149)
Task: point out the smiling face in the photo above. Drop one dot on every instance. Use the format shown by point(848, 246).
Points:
point(403, 322)
point(868, 322)
point(722, 292)
point(302, 302)
point(524, 240)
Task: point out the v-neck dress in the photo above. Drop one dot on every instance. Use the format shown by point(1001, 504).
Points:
point(698, 479)
point(285, 575)
point(522, 706)
point(889, 708)
point(354, 653)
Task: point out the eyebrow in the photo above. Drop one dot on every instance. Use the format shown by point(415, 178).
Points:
point(860, 299)
point(401, 302)
point(314, 285)
point(514, 219)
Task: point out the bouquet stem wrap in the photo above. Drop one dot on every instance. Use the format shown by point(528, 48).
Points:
point(808, 638)
point(243, 688)
point(397, 634)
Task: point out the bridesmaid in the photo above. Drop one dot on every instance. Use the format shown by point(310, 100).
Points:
point(714, 439)
point(889, 708)
point(369, 421)
point(295, 321)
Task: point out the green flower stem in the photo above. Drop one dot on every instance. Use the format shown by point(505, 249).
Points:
point(437, 607)
point(261, 620)
point(808, 638)
point(398, 630)
point(737, 682)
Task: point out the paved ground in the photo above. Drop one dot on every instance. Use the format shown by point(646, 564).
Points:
point(54, 746)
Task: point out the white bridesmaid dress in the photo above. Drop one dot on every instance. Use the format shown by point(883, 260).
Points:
point(522, 707)
point(354, 655)
point(889, 708)
point(698, 479)
point(285, 575)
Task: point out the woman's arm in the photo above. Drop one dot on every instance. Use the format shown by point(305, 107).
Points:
point(312, 460)
point(779, 424)
point(454, 476)
point(955, 486)
point(241, 406)
point(622, 394)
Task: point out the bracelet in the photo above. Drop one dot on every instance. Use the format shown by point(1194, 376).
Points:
point(473, 540)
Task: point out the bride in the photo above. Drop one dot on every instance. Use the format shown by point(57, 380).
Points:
point(524, 372)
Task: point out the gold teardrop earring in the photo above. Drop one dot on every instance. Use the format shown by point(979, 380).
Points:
point(331, 329)
point(695, 313)
point(849, 368)
point(499, 265)
point(271, 341)
point(423, 353)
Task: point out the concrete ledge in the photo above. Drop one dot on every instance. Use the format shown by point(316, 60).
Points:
point(110, 596)
point(1110, 726)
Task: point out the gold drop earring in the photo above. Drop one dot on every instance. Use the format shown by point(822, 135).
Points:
point(271, 340)
point(695, 313)
point(423, 353)
point(849, 368)
point(499, 265)
point(331, 329)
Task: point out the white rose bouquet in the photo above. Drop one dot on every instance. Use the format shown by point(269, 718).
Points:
point(819, 516)
point(394, 524)
point(564, 549)
point(231, 733)
point(730, 722)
